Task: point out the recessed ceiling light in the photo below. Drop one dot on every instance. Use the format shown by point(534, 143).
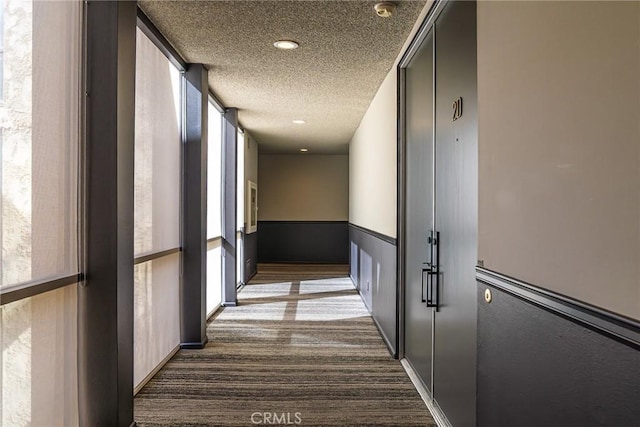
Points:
point(286, 44)
point(299, 122)
point(304, 150)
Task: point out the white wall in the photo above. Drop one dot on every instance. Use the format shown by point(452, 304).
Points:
point(372, 163)
point(559, 147)
point(303, 187)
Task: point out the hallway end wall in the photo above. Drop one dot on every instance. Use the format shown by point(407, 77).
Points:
point(303, 208)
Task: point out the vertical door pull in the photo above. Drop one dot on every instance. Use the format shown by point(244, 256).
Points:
point(432, 299)
point(431, 273)
point(425, 271)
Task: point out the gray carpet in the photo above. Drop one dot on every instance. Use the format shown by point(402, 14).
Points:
point(300, 349)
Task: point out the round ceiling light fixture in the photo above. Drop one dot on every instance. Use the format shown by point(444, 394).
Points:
point(286, 44)
point(299, 122)
point(385, 9)
point(304, 150)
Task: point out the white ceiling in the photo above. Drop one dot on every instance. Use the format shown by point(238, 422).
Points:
point(345, 52)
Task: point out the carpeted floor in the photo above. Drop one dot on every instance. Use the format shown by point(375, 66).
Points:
point(300, 349)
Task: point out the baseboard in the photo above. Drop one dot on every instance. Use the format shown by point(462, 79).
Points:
point(194, 345)
point(355, 286)
point(214, 311)
point(230, 304)
point(362, 297)
point(251, 276)
point(438, 416)
point(155, 371)
point(385, 339)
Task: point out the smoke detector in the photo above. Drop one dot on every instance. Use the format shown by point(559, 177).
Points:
point(385, 9)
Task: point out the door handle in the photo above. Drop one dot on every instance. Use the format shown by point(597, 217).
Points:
point(432, 299)
point(431, 272)
point(425, 273)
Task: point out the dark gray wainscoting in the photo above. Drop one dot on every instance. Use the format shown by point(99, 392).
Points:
point(372, 266)
point(546, 360)
point(322, 242)
point(250, 256)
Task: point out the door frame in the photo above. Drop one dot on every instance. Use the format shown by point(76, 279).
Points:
point(436, 8)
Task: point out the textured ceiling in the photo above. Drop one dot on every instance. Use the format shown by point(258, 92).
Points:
point(345, 52)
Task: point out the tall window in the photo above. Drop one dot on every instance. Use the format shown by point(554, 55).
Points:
point(214, 210)
point(240, 208)
point(156, 207)
point(1, 45)
point(40, 58)
point(214, 173)
point(240, 183)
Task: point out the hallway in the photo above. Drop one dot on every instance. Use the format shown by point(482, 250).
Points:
point(300, 344)
point(382, 196)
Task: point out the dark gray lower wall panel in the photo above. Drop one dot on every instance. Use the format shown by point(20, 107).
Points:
point(325, 242)
point(538, 368)
point(373, 270)
point(250, 255)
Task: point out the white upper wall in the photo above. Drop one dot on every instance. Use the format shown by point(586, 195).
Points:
point(372, 163)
